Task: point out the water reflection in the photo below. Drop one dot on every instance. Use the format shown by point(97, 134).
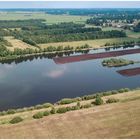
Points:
point(70, 59)
point(38, 79)
point(69, 53)
point(130, 72)
point(55, 72)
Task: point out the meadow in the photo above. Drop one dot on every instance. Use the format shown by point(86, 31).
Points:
point(97, 43)
point(50, 19)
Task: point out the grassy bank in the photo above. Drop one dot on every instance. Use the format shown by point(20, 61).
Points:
point(121, 118)
point(86, 101)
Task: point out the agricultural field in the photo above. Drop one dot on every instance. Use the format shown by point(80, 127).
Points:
point(50, 19)
point(97, 43)
point(17, 44)
point(94, 122)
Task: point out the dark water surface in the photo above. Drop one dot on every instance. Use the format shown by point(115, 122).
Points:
point(42, 80)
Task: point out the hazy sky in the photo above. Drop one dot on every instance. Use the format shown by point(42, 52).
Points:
point(70, 4)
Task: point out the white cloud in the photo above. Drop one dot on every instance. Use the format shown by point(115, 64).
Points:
point(56, 73)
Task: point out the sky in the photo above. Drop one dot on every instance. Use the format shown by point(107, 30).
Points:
point(69, 4)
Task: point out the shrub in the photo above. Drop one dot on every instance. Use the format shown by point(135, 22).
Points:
point(121, 90)
point(78, 104)
point(88, 97)
point(38, 115)
point(107, 93)
point(30, 108)
point(46, 113)
point(66, 101)
point(74, 108)
point(126, 89)
point(68, 108)
point(47, 105)
point(98, 100)
point(86, 106)
point(53, 111)
point(16, 120)
point(62, 110)
point(11, 111)
point(112, 100)
point(3, 113)
point(114, 91)
point(38, 107)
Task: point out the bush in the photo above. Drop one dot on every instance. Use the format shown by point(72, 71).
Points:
point(98, 100)
point(38, 107)
point(85, 106)
point(11, 111)
point(47, 105)
point(126, 89)
point(30, 108)
point(46, 113)
point(112, 100)
point(78, 104)
point(121, 90)
point(66, 101)
point(16, 120)
point(88, 97)
point(74, 108)
point(107, 93)
point(38, 115)
point(62, 110)
point(114, 91)
point(53, 111)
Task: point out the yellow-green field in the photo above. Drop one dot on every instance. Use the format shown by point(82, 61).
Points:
point(117, 120)
point(133, 34)
point(50, 19)
point(16, 43)
point(97, 43)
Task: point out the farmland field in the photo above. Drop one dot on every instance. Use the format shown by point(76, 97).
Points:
point(50, 19)
point(93, 43)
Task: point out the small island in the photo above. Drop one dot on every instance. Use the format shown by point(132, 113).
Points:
point(117, 62)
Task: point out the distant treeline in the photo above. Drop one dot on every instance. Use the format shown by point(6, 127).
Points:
point(21, 23)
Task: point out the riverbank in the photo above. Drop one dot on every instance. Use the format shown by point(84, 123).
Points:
point(86, 101)
point(96, 119)
point(21, 53)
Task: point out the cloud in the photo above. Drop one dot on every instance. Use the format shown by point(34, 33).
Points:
point(56, 73)
point(5, 69)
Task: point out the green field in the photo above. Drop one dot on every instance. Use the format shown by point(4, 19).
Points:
point(97, 43)
point(50, 19)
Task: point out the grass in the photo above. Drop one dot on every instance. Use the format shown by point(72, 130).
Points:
point(133, 34)
point(17, 44)
point(93, 43)
point(94, 122)
point(50, 19)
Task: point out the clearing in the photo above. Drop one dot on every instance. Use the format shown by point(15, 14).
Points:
point(16, 43)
